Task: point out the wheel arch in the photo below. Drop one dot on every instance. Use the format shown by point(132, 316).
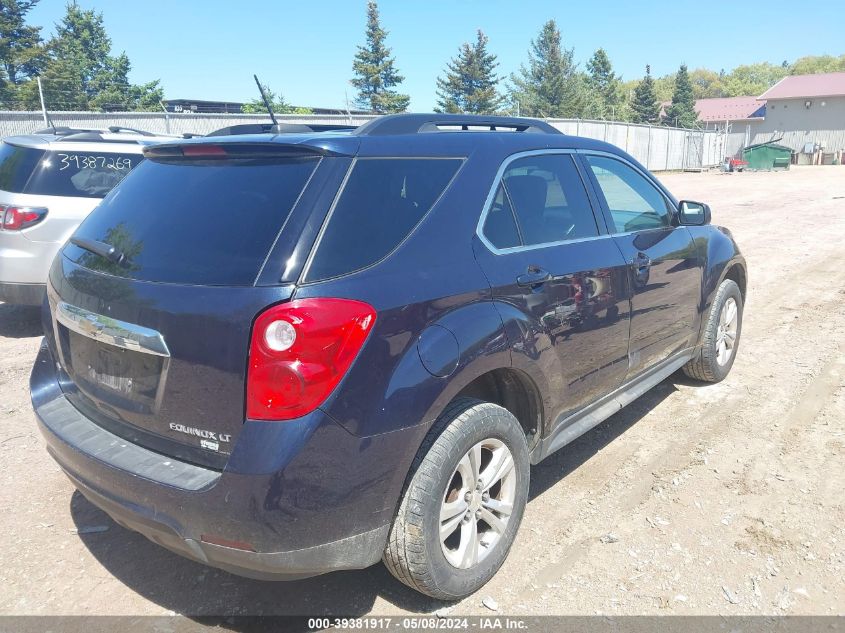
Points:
point(515, 391)
point(737, 272)
point(723, 260)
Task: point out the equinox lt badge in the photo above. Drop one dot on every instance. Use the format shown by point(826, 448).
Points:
point(208, 439)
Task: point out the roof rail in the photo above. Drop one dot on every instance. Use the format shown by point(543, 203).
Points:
point(63, 130)
point(117, 129)
point(418, 123)
point(93, 134)
point(281, 128)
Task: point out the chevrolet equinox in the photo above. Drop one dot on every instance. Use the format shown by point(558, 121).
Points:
point(286, 354)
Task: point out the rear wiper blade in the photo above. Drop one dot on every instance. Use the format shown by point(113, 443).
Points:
point(100, 248)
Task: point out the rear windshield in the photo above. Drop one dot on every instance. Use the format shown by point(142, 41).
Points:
point(205, 222)
point(62, 173)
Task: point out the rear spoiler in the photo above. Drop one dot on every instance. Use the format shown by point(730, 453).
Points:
point(238, 151)
point(281, 128)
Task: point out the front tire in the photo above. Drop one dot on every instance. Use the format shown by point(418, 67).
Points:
point(720, 338)
point(463, 503)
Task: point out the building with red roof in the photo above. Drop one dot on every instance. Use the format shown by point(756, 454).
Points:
point(799, 111)
point(807, 87)
point(715, 112)
point(805, 111)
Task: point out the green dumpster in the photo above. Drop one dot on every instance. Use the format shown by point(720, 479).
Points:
point(767, 156)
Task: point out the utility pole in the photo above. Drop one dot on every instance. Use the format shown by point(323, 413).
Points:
point(348, 111)
point(166, 116)
point(43, 107)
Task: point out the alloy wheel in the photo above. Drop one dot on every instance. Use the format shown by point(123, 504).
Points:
point(477, 504)
point(726, 333)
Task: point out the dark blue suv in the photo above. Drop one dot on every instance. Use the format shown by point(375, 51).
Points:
point(286, 354)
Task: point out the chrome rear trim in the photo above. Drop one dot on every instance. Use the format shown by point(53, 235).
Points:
point(111, 331)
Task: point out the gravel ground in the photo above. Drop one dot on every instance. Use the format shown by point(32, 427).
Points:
point(723, 499)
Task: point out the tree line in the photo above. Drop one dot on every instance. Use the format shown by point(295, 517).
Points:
point(550, 83)
point(76, 65)
point(80, 72)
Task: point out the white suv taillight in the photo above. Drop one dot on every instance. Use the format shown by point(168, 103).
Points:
point(14, 218)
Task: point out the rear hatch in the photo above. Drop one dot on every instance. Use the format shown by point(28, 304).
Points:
point(153, 298)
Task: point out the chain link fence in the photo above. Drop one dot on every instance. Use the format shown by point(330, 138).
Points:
point(658, 148)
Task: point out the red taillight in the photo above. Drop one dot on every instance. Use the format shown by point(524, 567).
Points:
point(300, 351)
point(17, 218)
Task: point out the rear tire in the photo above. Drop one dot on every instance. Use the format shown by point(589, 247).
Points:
point(720, 337)
point(441, 543)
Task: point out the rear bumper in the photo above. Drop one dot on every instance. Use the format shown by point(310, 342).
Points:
point(306, 496)
point(355, 552)
point(23, 261)
point(23, 294)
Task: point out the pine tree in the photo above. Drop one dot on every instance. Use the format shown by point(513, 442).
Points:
point(681, 113)
point(645, 107)
point(604, 85)
point(81, 74)
point(549, 86)
point(22, 54)
point(375, 73)
point(470, 82)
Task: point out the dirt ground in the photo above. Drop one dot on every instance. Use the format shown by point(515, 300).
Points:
point(723, 499)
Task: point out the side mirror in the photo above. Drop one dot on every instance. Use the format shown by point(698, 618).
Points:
point(693, 213)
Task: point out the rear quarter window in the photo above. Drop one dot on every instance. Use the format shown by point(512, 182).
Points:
point(16, 166)
point(383, 200)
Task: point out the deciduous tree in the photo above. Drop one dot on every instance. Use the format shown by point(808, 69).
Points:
point(706, 84)
point(817, 64)
point(277, 102)
point(753, 79)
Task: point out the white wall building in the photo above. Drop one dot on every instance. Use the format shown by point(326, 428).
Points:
point(805, 109)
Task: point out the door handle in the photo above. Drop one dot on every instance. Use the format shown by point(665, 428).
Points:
point(534, 277)
point(641, 260)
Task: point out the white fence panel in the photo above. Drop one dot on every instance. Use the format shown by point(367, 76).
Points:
point(658, 148)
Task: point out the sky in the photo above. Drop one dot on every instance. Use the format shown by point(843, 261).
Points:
point(209, 49)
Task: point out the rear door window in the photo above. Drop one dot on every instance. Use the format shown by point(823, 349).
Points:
point(381, 203)
point(500, 225)
point(207, 222)
point(548, 199)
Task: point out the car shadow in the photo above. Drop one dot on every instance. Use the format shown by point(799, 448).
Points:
point(19, 321)
point(577, 453)
point(189, 588)
point(192, 589)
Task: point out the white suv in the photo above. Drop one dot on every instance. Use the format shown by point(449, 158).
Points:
point(49, 182)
